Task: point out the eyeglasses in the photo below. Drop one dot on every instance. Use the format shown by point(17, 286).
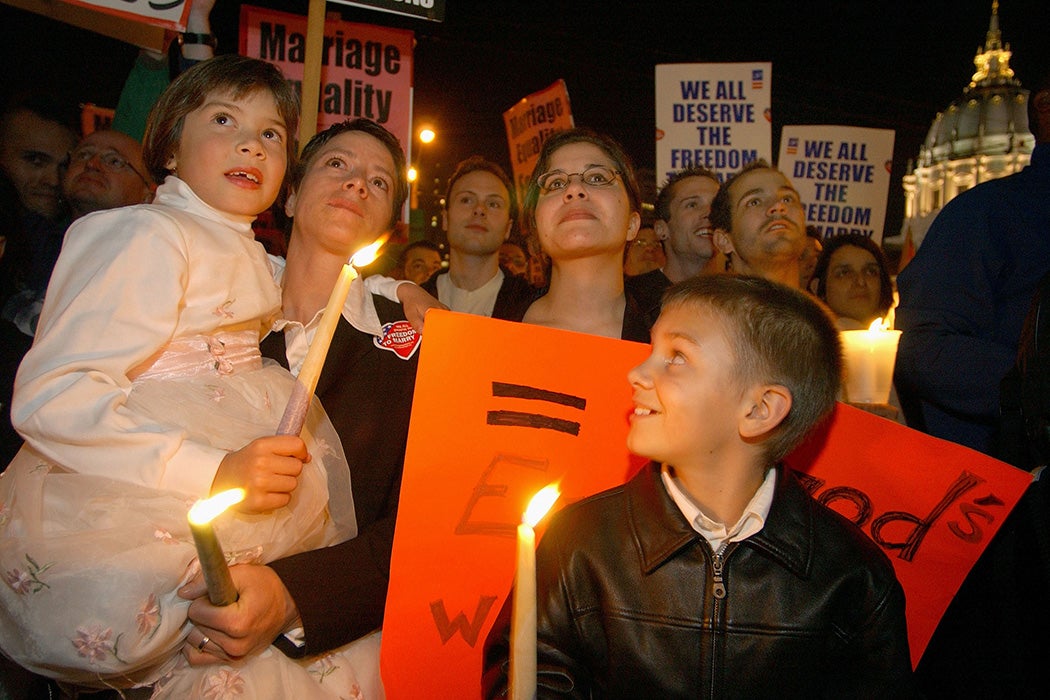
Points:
point(641, 243)
point(111, 161)
point(593, 177)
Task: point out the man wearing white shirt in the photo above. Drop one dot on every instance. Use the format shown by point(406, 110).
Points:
point(479, 213)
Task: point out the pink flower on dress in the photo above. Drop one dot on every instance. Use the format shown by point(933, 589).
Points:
point(164, 536)
point(322, 448)
point(19, 580)
point(218, 394)
point(323, 667)
point(93, 643)
point(223, 685)
point(217, 348)
point(148, 617)
point(27, 581)
point(223, 309)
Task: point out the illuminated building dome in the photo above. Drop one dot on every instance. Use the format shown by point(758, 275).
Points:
point(982, 135)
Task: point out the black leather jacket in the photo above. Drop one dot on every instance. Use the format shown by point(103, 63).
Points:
point(632, 603)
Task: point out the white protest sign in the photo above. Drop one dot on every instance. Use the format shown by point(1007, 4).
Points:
point(714, 115)
point(171, 14)
point(842, 174)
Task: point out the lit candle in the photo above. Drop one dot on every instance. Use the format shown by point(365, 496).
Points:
point(870, 355)
point(221, 590)
point(303, 391)
point(523, 621)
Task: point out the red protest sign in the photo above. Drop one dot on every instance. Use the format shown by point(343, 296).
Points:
point(489, 432)
point(489, 429)
point(932, 505)
point(529, 123)
point(366, 70)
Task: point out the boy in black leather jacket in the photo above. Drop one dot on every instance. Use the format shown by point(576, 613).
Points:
point(712, 573)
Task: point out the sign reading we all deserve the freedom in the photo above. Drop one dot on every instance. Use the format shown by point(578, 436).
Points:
point(842, 174)
point(712, 115)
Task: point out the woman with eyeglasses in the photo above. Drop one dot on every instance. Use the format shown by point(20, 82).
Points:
point(853, 279)
point(583, 204)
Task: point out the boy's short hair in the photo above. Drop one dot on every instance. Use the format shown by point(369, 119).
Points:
point(240, 75)
point(475, 163)
point(721, 208)
point(780, 336)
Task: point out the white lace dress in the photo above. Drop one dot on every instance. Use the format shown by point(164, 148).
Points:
point(145, 372)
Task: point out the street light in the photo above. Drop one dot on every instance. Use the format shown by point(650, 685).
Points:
point(417, 176)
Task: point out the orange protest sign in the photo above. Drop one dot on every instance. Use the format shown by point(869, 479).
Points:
point(931, 505)
point(529, 123)
point(502, 409)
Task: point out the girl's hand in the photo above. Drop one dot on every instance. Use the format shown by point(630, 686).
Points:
point(415, 301)
point(267, 469)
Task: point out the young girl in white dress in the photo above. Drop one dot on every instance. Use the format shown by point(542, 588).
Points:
point(145, 391)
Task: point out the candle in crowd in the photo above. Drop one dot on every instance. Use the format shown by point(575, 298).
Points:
point(221, 590)
point(523, 620)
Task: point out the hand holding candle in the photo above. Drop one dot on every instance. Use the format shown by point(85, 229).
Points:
point(870, 356)
point(221, 590)
point(523, 622)
point(303, 392)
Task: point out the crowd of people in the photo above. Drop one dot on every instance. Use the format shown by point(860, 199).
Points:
point(150, 345)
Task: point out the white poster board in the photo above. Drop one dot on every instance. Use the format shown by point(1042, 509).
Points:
point(842, 174)
point(715, 115)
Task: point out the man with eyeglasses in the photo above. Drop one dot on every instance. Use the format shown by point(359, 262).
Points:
point(105, 171)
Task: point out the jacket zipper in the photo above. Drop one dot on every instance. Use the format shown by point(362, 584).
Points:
point(718, 592)
point(716, 570)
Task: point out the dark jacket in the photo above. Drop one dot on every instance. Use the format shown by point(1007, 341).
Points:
point(340, 591)
point(628, 605)
point(512, 301)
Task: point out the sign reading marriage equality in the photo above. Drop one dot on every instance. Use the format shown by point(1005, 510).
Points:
point(842, 174)
point(366, 71)
point(529, 123)
point(714, 115)
point(485, 437)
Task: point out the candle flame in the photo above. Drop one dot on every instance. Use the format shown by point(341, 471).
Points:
point(206, 510)
point(368, 254)
point(878, 325)
point(540, 504)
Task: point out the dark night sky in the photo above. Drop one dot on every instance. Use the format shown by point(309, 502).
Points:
point(855, 62)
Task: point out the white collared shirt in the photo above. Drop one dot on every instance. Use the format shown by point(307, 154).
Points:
point(479, 302)
point(751, 521)
point(359, 312)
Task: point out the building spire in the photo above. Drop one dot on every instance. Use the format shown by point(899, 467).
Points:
point(993, 63)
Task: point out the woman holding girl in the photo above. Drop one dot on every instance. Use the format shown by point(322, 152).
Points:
point(145, 391)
